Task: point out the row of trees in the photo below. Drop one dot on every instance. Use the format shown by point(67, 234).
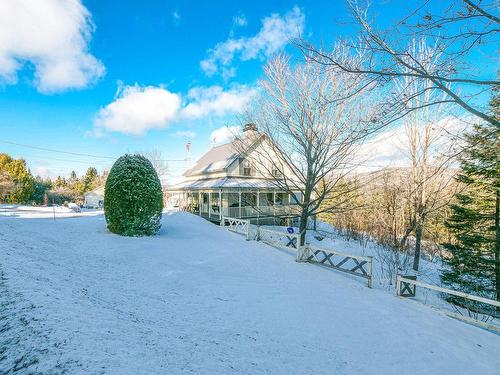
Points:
point(317, 115)
point(18, 185)
point(73, 188)
point(16, 180)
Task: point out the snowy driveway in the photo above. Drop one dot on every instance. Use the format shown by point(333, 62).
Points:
point(198, 299)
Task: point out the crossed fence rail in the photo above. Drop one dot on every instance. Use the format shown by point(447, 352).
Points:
point(236, 225)
point(279, 239)
point(407, 287)
point(348, 263)
point(356, 265)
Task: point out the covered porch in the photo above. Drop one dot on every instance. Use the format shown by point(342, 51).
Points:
point(213, 204)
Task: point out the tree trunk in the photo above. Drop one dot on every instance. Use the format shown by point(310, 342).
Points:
point(408, 231)
point(497, 246)
point(304, 215)
point(418, 244)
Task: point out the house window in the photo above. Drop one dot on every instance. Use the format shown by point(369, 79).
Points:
point(247, 170)
point(248, 199)
point(276, 173)
point(266, 199)
point(296, 198)
point(282, 199)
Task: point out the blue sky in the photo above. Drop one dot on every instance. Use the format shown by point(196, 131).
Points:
point(105, 77)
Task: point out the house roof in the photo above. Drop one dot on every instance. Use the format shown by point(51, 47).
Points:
point(227, 182)
point(224, 183)
point(97, 191)
point(219, 158)
point(215, 160)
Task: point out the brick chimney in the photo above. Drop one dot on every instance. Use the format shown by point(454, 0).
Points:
point(250, 127)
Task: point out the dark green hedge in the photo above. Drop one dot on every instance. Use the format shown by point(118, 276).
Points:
point(133, 198)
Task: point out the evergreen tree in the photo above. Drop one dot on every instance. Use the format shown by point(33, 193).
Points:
point(60, 182)
point(133, 198)
point(40, 188)
point(20, 176)
point(474, 265)
point(90, 179)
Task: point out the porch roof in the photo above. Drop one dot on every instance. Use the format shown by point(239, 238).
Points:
point(224, 183)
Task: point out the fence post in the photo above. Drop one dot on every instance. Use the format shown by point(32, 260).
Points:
point(299, 255)
point(370, 269)
point(398, 288)
point(223, 221)
point(248, 230)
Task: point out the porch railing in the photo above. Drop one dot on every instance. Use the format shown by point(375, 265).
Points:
point(253, 212)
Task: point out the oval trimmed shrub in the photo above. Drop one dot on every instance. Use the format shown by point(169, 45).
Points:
point(133, 198)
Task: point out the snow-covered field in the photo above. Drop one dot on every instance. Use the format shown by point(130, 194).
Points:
point(198, 299)
point(40, 212)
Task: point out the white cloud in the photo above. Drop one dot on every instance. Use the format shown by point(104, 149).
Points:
point(225, 134)
point(184, 134)
point(42, 172)
point(388, 149)
point(214, 100)
point(240, 20)
point(138, 109)
point(176, 17)
point(53, 35)
point(275, 33)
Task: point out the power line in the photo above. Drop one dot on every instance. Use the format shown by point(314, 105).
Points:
point(77, 153)
point(53, 150)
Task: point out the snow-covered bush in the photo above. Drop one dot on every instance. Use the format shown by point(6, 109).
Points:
point(133, 199)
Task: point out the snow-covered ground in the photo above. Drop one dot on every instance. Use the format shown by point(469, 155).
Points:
point(40, 212)
point(385, 268)
point(199, 299)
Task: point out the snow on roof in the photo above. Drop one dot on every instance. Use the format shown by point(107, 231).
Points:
point(97, 191)
point(225, 182)
point(216, 159)
point(220, 157)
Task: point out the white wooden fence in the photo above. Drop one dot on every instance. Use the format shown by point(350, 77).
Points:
point(353, 264)
point(236, 225)
point(357, 265)
point(279, 239)
point(403, 289)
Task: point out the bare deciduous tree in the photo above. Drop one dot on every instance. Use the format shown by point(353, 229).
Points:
point(312, 129)
point(159, 162)
point(429, 147)
point(460, 31)
point(7, 185)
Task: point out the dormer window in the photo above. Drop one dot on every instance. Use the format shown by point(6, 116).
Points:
point(275, 172)
point(247, 170)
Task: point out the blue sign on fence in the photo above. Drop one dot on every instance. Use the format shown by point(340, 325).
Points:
point(289, 230)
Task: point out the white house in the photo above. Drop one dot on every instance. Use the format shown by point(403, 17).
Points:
point(227, 182)
point(94, 198)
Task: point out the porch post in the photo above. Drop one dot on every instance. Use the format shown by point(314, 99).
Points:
point(274, 203)
point(199, 203)
point(239, 202)
point(209, 204)
point(258, 206)
point(220, 205)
